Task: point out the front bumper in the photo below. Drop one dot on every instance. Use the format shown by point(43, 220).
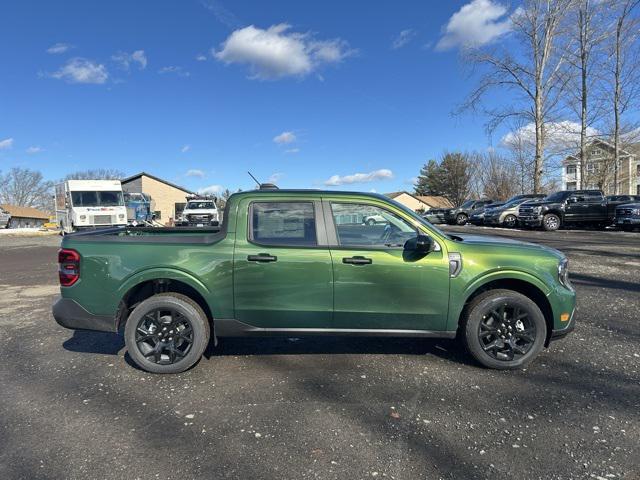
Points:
point(530, 221)
point(628, 221)
point(559, 333)
point(70, 314)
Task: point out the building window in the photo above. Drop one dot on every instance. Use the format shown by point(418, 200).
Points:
point(593, 167)
point(571, 185)
point(158, 214)
point(571, 170)
point(596, 152)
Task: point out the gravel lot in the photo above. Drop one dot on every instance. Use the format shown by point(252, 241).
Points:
point(73, 406)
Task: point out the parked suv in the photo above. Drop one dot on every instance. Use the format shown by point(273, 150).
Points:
point(5, 218)
point(461, 214)
point(507, 214)
point(628, 215)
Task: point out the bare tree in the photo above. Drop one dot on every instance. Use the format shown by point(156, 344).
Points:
point(588, 32)
point(498, 180)
point(536, 73)
point(624, 75)
point(26, 188)
point(97, 174)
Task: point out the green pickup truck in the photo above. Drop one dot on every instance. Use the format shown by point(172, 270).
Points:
point(303, 262)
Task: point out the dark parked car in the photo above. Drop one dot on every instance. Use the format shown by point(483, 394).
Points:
point(461, 214)
point(628, 216)
point(568, 207)
point(477, 217)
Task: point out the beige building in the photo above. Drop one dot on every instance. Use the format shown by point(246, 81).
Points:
point(419, 203)
point(167, 199)
point(599, 169)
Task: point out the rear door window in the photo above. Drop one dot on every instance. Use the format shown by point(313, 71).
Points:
point(283, 224)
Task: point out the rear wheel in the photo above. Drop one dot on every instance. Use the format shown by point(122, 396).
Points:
point(166, 333)
point(461, 219)
point(371, 222)
point(551, 222)
point(504, 329)
point(510, 221)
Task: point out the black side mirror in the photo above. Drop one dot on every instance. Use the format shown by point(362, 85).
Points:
point(420, 244)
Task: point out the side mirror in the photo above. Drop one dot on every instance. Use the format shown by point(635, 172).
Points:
point(572, 200)
point(420, 244)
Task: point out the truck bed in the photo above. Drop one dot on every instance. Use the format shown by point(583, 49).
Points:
point(178, 235)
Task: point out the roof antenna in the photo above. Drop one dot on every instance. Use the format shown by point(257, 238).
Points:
point(254, 179)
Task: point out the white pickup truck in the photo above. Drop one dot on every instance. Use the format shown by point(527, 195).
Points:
point(200, 212)
point(5, 218)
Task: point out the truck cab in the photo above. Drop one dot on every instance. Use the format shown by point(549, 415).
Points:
point(567, 207)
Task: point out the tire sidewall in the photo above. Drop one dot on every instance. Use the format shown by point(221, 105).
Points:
point(461, 219)
point(511, 223)
point(184, 306)
point(472, 326)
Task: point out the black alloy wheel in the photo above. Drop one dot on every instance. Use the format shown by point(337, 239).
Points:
point(506, 332)
point(510, 221)
point(164, 336)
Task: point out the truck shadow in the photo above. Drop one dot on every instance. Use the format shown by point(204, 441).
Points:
point(84, 341)
point(314, 345)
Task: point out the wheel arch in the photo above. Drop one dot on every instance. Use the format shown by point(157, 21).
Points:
point(530, 287)
point(147, 284)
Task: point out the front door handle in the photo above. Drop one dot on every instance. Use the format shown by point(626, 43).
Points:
point(262, 257)
point(357, 260)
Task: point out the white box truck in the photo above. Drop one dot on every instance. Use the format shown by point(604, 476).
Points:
point(82, 204)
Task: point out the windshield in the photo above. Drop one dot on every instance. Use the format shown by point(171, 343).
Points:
point(556, 197)
point(467, 204)
point(97, 199)
point(515, 203)
point(201, 206)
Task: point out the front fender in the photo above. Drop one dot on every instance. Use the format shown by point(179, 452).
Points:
point(463, 295)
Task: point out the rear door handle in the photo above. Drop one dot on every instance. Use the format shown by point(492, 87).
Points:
point(262, 257)
point(357, 260)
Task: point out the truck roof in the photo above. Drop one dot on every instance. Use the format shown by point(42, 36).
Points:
point(93, 185)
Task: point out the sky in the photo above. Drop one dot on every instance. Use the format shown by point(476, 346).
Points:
point(341, 95)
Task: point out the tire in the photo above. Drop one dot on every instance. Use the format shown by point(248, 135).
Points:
point(551, 222)
point(510, 221)
point(179, 349)
point(371, 222)
point(461, 219)
point(512, 346)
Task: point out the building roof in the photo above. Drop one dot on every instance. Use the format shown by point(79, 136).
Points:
point(145, 174)
point(24, 212)
point(434, 201)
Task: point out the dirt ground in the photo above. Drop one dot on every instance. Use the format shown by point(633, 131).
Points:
point(73, 406)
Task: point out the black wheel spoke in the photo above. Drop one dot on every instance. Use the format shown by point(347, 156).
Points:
point(506, 332)
point(164, 336)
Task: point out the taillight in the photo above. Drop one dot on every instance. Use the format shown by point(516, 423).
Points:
point(69, 271)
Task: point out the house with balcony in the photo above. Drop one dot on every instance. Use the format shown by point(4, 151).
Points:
point(599, 169)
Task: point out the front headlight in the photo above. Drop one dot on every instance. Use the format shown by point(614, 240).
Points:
point(563, 274)
point(635, 211)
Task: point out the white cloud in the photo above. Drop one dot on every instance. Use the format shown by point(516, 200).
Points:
point(292, 150)
point(179, 71)
point(33, 149)
point(277, 52)
point(476, 23)
point(58, 48)
point(211, 190)
point(284, 138)
point(185, 148)
point(125, 60)
point(194, 172)
point(201, 58)
point(403, 38)
point(559, 136)
point(275, 177)
point(81, 70)
point(382, 174)
point(6, 143)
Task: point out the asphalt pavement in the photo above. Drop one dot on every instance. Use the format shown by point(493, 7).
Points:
point(72, 405)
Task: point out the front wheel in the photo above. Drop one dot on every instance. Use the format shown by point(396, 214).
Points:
point(503, 329)
point(551, 222)
point(510, 221)
point(166, 333)
point(371, 222)
point(461, 219)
